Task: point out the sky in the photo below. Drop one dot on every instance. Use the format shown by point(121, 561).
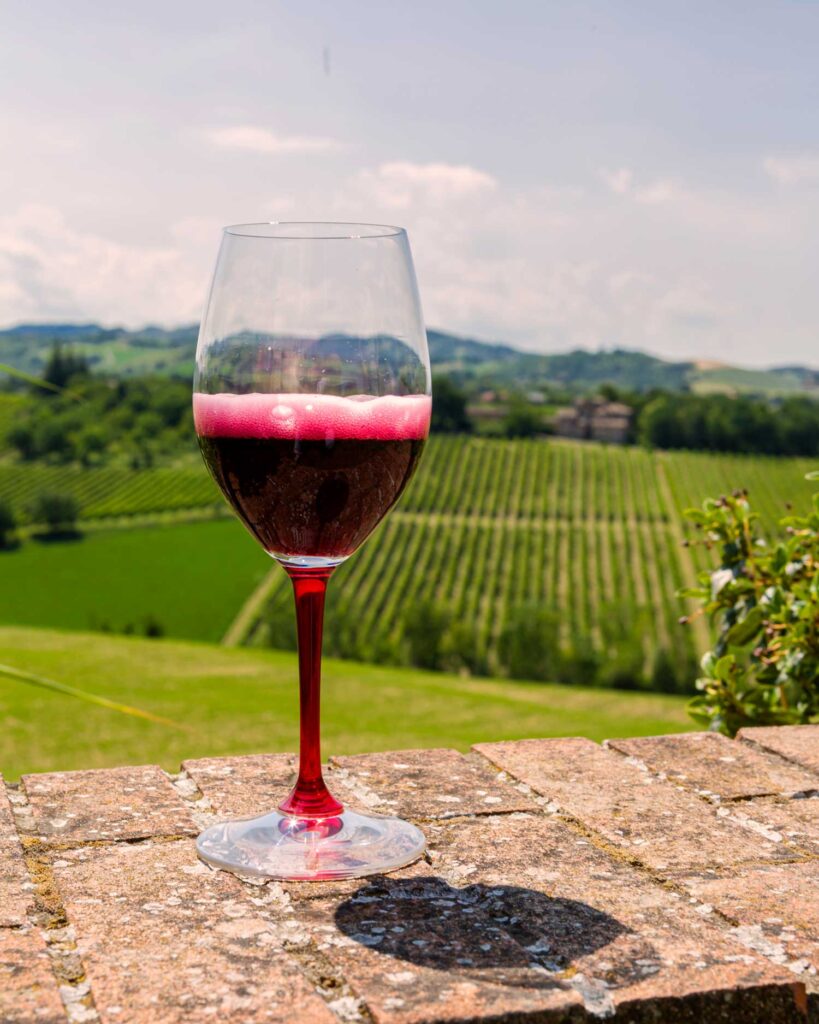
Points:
point(632, 173)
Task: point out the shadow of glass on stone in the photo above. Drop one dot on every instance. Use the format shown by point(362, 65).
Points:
point(504, 934)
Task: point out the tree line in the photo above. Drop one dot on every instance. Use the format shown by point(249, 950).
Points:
point(662, 419)
point(92, 420)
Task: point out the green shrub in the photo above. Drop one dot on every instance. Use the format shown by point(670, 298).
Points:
point(529, 644)
point(579, 662)
point(764, 600)
point(56, 511)
point(522, 420)
point(664, 678)
point(8, 525)
point(462, 650)
point(449, 413)
point(425, 626)
point(622, 663)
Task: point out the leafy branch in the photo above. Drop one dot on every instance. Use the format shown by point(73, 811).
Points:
point(764, 601)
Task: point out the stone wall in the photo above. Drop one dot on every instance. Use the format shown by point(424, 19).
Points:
point(667, 879)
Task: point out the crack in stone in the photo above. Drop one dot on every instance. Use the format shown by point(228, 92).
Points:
point(201, 809)
point(50, 919)
point(323, 975)
point(329, 983)
point(597, 1000)
point(723, 922)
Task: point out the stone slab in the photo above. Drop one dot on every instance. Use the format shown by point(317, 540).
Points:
point(638, 948)
point(425, 784)
point(518, 915)
point(416, 954)
point(716, 767)
point(14, 900)
point(166, 940)
point(28, 989)
point(775, 909)
point(134, 802)
point(797, 743)
point(795, 822)
point(242, 787)
point(654, 822)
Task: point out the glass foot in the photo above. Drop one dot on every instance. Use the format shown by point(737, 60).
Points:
point(349, 845)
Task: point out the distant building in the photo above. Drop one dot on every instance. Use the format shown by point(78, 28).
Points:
point(595, 419)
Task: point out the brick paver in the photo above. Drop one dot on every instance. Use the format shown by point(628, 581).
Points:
point(425, 784)
point(714, 766)
point(241, 787)
point(655, 822)
point(637, 941)
point(417, 951)
point(14, 900)
point(28, 989)
point(797, 743)
point(165, 940)
point(110, 803)
point(521, 915)
point(795, 822)
point(775, 909)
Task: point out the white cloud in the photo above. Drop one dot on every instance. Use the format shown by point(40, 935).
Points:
point(662, 191)
point(400, 184)
point(48, 270)
point(619, 181)
point(793, 170)
point(662, 265)
point(622, 182)
point(252, 138)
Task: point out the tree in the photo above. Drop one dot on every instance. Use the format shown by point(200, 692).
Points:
point(521, 420)
point(61, 366)
point(425, 626)
point(8, 525)
point(90, 444)
point(52, 439)
point(22, 438)
point(58, 512)
point(449, 415)
point(664, 673)
point(529, 643)
point(462, 651)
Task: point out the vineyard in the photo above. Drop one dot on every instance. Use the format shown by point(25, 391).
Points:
point(110, 491)
point(488, 531)
point(488, 527)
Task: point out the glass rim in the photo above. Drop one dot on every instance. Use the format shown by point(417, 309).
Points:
point(312, 230)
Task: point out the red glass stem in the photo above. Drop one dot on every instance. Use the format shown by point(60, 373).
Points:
point(310, 797)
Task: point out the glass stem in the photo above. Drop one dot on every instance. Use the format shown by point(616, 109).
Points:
point(310, 797)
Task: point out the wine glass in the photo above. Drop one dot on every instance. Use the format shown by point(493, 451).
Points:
point(312, 405)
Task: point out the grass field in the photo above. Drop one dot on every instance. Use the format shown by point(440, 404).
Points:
point(191, 578)
point(245, 701)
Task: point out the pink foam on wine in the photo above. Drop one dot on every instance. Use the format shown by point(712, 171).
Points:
point(313, 417)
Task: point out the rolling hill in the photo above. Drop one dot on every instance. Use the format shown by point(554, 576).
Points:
point(120, 352)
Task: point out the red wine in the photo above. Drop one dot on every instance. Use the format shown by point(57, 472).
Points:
point(311, 475)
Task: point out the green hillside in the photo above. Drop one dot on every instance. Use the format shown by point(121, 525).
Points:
point(120, 352)
point(241, 702)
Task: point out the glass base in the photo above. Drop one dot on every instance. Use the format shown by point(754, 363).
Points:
point(350, 845)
